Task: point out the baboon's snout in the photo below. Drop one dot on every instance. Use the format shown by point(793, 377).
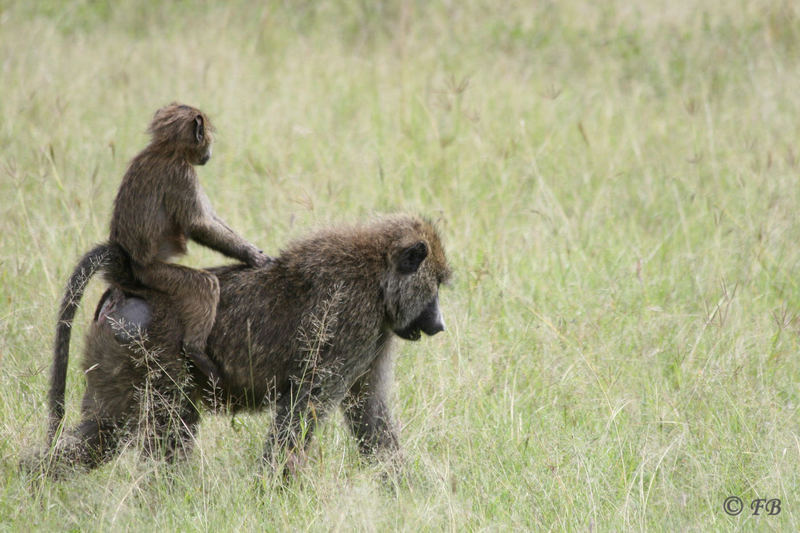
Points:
point(429, 321)
point(432, 319)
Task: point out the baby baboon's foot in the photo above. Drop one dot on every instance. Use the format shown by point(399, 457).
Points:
point(199, 359)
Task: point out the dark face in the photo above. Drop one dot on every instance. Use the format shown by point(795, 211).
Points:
point(416, 292)
point(429, 321)
point(205, 157)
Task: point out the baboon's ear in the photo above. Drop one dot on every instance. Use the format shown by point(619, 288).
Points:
point(199, 128)
point(409, 259)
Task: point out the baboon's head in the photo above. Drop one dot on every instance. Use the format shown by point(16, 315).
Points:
point(417, 267)
point(184, 129)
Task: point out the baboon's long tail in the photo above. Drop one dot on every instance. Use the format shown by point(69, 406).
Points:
point(97, 258)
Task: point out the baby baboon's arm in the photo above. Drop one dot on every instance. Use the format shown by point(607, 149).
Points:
point(211, 231)
point(206, 228)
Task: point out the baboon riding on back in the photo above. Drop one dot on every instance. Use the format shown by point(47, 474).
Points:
point(307, 333)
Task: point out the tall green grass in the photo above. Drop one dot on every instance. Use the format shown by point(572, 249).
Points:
point(617, 183)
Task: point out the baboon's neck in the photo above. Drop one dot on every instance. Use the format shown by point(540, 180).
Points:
point(161, 149)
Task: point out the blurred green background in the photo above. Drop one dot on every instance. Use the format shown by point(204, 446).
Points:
point(616, 183)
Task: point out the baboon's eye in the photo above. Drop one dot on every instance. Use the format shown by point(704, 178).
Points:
point(199, 129)
point(410, 258)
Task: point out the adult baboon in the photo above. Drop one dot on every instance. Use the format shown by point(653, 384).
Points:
point(307, 333)
point(160, 205)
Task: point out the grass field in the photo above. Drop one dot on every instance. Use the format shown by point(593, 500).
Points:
point(617, 184)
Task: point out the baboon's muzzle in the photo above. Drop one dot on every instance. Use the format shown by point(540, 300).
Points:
point(429, 321)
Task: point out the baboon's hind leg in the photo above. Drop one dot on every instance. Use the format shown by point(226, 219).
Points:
point(195, 293)
point(169, 430)
point(87, 445)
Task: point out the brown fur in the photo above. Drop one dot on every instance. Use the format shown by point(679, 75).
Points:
point(160, 205)
point(310, 332)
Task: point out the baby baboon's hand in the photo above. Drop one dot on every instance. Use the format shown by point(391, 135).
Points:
point(259, 259)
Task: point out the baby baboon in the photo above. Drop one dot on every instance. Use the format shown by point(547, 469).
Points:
point(160, 205)
point(308, 333)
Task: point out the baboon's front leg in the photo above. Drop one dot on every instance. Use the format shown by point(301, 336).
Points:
point(367, 413)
